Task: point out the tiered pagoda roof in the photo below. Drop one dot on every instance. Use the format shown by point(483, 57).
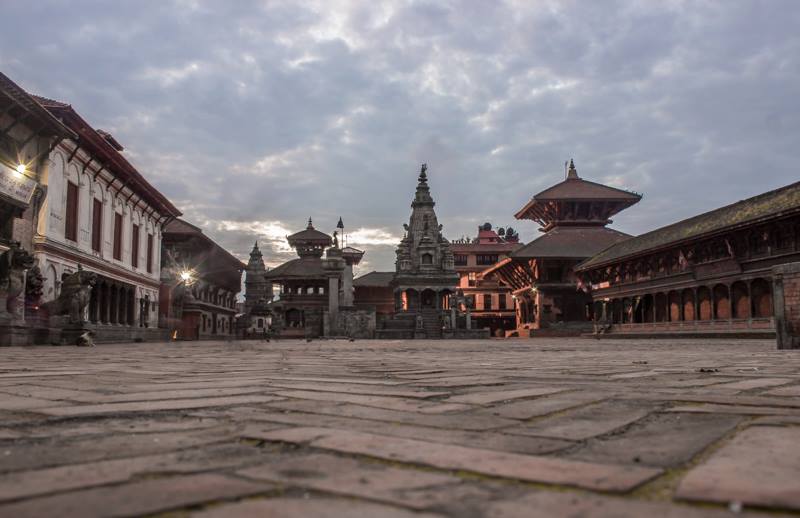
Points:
point(576, 202)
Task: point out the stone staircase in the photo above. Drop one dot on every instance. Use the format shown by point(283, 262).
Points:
point(403, 325)
point(432, 322)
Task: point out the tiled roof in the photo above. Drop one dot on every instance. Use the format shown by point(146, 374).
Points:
point(32, 105)
point(580, 189)
point(98, 145)
point(180, 227)
point(570, 242)
point(785, 200)
point(374, 279)
point(300, 268)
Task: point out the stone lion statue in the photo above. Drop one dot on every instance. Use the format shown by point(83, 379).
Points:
point(76, 290)
point(13, 263)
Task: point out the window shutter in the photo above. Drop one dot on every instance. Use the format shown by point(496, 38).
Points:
point(71, 219)
point(117, 236)
point(97, 225)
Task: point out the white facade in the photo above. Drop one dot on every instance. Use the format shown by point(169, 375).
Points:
point(56, 255)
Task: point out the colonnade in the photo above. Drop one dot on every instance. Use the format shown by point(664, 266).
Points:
point(739, 300)
point(112, 302)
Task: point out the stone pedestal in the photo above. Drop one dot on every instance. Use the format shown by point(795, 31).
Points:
point(786, 303)
point(14, 332)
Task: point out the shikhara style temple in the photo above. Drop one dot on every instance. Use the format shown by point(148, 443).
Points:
point(714, 273)
point(425, 275)
point(574, 216)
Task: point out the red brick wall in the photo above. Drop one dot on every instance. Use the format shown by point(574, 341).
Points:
point(786, 289)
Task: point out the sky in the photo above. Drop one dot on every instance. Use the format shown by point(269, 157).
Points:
point(253, 116)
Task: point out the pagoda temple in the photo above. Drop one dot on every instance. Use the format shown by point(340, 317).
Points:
point(316, 292)
point(425, 274)
point(574, 216)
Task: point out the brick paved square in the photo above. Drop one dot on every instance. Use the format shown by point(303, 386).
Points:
point(541, 427)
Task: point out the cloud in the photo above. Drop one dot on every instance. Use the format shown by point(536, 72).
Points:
point(253, 116)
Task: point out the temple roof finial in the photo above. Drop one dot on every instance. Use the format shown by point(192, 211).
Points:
point(340, 224)
point(572, 174)
point(423, 177)
point(310, 225)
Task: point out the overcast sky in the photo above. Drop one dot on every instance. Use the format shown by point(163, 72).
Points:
point(254, 115)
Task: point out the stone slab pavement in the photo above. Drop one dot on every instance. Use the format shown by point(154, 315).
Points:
point(497, 428)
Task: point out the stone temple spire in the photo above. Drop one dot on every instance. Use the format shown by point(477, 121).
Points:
point(423, 194)
point(256, 286)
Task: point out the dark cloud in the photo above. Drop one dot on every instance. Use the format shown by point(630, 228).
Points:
point(254, 115)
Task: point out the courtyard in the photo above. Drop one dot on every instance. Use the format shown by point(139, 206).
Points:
point(547, 427)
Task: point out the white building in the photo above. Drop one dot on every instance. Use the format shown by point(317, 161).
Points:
point(99, 212)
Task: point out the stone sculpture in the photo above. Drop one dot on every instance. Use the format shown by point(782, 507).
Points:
point(76, 290)
point(13, 263)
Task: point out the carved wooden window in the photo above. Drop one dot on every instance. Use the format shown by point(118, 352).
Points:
point(71, 217)
point(97, 225)
point(487, 301)
point(460, 260)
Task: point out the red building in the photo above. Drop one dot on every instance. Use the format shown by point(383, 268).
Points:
point(492, 301)
point(199, 283)
point(710, 274)
point(574, 216)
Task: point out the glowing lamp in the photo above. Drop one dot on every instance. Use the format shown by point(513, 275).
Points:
point(186, 276)
point(20, 170)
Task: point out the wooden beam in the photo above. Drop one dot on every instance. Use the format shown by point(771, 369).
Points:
point(74, 151)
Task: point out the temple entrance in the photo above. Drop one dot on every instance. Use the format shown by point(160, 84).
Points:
point(428, 299)
point(294, 318)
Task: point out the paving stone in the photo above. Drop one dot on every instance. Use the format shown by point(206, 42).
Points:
point(349, 477)
point(10, 402)
point(754, 383)
point(736, 409)
point(757, 467)
point(506, 465)
point(147, 395)
point(318, 507)
point(32, 454)
point(483, 398)
point(153, 406)
point(487, 440)
point(548, 504)
point(390, 403)
point(461, 422)
point(136, 498)
point(24, 484)
point(546, 405)
point(663, 440)
point(793, 391)
point(585, 422)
